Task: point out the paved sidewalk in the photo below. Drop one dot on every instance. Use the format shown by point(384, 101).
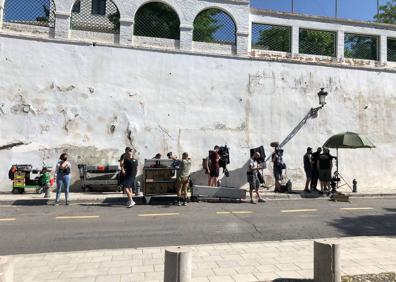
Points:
point(30, 197)
point(260, 261)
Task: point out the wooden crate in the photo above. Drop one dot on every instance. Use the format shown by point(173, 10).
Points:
point(158, 188)
point(159, 174)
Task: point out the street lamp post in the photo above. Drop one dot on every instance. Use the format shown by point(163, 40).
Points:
point(313, 113)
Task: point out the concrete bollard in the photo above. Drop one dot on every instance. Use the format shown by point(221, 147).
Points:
point(6, 270)
point(178, 265)
point(327, 262)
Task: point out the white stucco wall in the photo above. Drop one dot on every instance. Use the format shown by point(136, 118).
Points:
point(60, 95)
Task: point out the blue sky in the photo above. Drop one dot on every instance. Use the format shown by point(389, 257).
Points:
point(351, 9)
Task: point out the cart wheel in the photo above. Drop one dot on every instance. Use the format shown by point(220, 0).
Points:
point(39, 190)
point(15, 190)
point(21, 190)
point(83, 188)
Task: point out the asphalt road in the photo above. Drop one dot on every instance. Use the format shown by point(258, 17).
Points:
point(37, 229)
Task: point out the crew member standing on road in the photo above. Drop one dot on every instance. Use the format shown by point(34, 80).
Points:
point(252, 176)
point(325, 164)
point(183, 178)
point(129, 170)
point(121, 176)
point(63, 170)
point(214, 166)
point(315, 170)
point(308, 168)
point(277, 159)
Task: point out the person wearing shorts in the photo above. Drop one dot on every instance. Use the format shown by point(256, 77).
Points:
point(183, 178)
point(252, 176)
point(129, 170)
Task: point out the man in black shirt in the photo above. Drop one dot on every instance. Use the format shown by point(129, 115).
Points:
point(129, 170)
point(308, 168)
point(325, 164)
point(315, 170)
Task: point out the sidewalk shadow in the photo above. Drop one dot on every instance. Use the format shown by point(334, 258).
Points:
point(367, 225)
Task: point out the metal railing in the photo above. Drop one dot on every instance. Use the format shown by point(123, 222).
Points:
point(361, 46)
point(96, 16)
point(32, 12)
point(271, 37)
point(317, 42)
point(214, 26)
point(157, 20)
point(392, 49)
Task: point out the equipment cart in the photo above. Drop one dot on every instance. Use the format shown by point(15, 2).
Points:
point(24, 177)
point(101, 177)
point(159, 179)
point(199, 192)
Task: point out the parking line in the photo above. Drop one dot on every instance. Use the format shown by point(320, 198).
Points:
point(158, 214)
point(7, 219)
point(355, 209)
point(302, 210)
point(78, 217)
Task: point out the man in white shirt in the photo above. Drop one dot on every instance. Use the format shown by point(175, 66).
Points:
point(252, 176)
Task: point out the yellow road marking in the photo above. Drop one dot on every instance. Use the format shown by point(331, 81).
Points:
point(303, 210)
point(223, 212)
point(355, 209)
point(7, 219)
point(8, 206)
point(158, 214)
point(78, 217)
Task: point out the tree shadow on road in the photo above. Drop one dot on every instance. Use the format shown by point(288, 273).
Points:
point(367, 225)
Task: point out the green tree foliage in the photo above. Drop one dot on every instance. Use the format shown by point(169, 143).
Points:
point(275, 38)
point(157, 20)
point(206, 24)
point(387, 13)
point(317, 42)
point(45, 18)
point(361, 47)
point(114, 18)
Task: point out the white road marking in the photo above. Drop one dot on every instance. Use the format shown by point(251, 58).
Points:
point(302, 210)
point(158, 214)
point(355, 209)
point(7, 219)
point(78, 217)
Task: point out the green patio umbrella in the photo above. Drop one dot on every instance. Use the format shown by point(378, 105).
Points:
point(347, 140)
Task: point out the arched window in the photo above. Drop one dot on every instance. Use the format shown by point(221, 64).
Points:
point(214, 26)
point(96, 16)
point(32, 12)
point(157, 19)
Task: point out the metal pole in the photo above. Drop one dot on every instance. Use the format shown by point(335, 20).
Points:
point(336, 8)
point(377, 8)
point(292, 6)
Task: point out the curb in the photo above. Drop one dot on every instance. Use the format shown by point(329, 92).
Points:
point(140, 200)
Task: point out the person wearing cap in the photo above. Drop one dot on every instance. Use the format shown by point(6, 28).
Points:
point(129, 170)
point(315, 170)
point(252, 177)
point(308, 168)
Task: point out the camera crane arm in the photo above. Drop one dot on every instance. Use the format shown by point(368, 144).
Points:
point(313, 113)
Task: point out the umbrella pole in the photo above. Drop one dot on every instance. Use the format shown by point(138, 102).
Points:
point(337, 167)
